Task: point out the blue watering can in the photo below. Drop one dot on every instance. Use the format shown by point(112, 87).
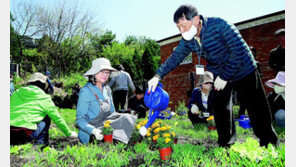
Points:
point(157, 101)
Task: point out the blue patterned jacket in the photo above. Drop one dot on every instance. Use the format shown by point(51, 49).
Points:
point(222, 46)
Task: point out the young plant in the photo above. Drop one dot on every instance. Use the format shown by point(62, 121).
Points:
point(107, 129)
point(211, 121)
point(163, 137)
point(136, 134)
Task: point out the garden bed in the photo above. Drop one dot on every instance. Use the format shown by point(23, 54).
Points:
point(197, 146)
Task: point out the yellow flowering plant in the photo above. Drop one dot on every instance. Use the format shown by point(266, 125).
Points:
point(161, 135)
point(211, 121)
point(107, 129)
point(164, 140)
point(136, 136)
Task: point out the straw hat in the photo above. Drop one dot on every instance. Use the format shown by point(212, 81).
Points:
point(279, 79)
point(98, 65)
point(37, 76)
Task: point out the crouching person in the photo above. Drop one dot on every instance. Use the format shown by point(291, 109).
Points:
point(95, 106)
point(276, 98)
point(201, 101)
point(136, 103)
point(31, 111)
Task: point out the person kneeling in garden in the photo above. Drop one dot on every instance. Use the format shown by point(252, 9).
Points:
point(31, 111)
point(95, 106)
point(276, 98)
point(136, 103)
point(201, 101)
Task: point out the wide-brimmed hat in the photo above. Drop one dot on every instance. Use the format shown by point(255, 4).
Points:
point(279, 79)
point(207, 77)
point(37, 76)
point(98, 65)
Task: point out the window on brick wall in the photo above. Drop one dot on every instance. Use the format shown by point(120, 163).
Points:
point(187, 60)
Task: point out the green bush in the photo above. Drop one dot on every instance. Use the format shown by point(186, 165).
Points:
point(70, 80)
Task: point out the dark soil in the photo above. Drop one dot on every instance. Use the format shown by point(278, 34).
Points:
point(17, 160)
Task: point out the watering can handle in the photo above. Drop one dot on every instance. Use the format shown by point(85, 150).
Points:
point(160, 85)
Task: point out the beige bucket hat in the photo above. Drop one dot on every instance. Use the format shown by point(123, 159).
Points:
point(98, 65)
point(207, 77)
point(37, 76)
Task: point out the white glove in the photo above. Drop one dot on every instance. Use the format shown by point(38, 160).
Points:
point(73, 135)
point(219, 83)
point(152, 84)
point(97, 133)
point(143, 131)
point(194, 109)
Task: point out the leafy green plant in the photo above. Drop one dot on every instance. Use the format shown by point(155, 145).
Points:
point(251, 150)
point(211, 121)
point(181, 109)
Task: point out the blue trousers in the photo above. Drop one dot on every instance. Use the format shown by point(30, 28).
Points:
point(40, 135)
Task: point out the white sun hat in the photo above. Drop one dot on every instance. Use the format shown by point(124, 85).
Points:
point(37, 76)
point(279, 79)
point(98, 65)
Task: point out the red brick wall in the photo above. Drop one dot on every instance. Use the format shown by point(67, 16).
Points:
point(261, 37)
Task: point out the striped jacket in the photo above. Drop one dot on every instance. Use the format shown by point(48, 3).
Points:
point(222, 46)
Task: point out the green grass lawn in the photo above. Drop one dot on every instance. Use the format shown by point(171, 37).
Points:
point(197, 146)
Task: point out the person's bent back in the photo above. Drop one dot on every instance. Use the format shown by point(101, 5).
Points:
point(31, 111)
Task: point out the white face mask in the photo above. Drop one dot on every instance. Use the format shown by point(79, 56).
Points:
point(188, 35)
point(279, 89)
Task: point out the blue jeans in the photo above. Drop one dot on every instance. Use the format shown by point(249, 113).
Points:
point(40, 135)
point(280, 118)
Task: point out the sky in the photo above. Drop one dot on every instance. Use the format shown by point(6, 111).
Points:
point(154, 18)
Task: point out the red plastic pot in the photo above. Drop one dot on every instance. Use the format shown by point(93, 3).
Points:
point(175, 141)
point(165, 153)
point(108, 138)
point(212, 128)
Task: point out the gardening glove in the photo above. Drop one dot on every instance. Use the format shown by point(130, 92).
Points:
point(194, 109)
point(219, 83)
point(153, 83)
point(97, 133)
point(73, 135)
point(143, 131)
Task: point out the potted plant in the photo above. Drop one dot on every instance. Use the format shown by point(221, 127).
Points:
point(164, 145)
point(107, 132)
point(211, 123)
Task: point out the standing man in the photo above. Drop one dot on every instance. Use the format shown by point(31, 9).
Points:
point(277, 55)
point(232, 63)
point(120, 85)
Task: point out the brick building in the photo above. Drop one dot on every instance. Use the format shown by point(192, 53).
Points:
point(257, 32)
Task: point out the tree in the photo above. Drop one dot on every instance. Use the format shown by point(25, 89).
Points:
point(14, 44)
point(151, 58)
point(63, 28)
point(103, 40)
